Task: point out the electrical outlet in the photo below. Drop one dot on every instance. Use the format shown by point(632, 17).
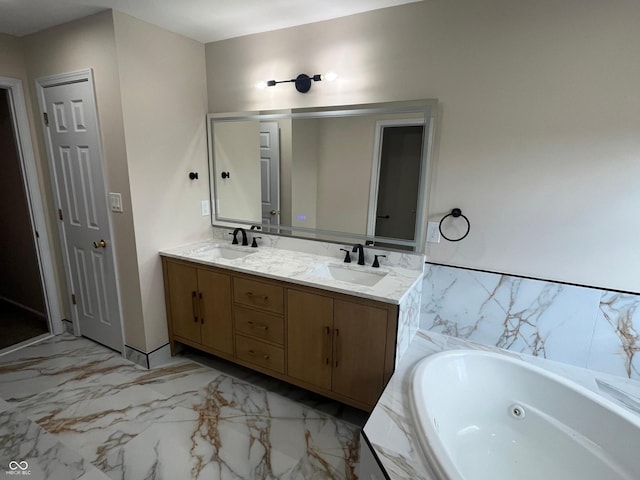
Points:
point(433, 232)
point(204, 208)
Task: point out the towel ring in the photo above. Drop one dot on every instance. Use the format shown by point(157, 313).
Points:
point(455, 213)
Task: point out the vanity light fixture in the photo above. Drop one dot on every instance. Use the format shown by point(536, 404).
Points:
point(302, 81)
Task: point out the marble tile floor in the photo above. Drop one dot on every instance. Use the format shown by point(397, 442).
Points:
point(72, 409)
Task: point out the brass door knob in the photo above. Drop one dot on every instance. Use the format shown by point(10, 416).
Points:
point(100, 244)
point(274, 212)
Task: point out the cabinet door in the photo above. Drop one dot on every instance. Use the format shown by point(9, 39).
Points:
point(309, 325)
point(183, 291)
point(359, 345)
point(214, 298)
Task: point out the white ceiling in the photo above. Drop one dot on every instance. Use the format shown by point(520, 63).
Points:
point(202, 20)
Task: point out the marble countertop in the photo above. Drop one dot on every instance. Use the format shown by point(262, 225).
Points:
point(300, 268)
point(389, 428)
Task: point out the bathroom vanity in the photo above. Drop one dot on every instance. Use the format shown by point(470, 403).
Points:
point(284, 313)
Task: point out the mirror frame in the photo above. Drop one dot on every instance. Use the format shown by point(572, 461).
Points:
point(427, 107)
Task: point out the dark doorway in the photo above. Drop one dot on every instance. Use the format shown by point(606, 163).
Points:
point(22, 305)
point(399, 183)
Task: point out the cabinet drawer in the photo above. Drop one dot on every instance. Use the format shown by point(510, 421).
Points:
point(258, 324)
point(258, 294)
point(260, 353)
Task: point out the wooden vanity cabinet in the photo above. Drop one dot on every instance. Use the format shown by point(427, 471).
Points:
point(345, 346)
point(199, 307)
point(337, 345)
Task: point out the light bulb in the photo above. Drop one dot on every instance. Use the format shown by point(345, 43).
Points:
point(330, 76)
point(261, 85)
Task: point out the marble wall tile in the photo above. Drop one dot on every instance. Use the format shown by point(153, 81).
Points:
point(616, 340)
point(409, 319)
point(539, 318)
point(581, 326)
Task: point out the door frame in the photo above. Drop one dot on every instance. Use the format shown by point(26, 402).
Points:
point(51, 81)
point(35, 204)
point(274, 136)
point(375, 176)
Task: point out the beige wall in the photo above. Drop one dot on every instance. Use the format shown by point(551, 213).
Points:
point(90, 43)
point(151, 98)
point(11, 58)
point(164, 104)
point(537, 139)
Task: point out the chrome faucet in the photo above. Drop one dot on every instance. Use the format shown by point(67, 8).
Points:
point(244, 237)
point(360, 249)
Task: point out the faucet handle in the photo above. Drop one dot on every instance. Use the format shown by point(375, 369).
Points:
point(347, 257)
point(235, 239)
point(254, 244)
point(376, 264)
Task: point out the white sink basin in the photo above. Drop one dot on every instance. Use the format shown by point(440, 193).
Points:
point(348, 275)
point(229, 253)
point(219, 251)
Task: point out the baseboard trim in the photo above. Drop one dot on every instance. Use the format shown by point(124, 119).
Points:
point(67, 326)
point(153, 359)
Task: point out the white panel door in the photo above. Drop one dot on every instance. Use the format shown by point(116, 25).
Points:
point(71, 130)
point(270, 174)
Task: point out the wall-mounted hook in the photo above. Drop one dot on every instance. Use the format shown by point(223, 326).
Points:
point(193, 175)
point(226, 175)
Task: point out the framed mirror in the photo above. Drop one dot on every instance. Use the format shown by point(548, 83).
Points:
point(356, 173)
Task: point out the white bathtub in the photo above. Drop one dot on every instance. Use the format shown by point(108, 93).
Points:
point(485, 416)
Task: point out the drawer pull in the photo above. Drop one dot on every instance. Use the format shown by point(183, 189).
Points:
point(325, 345)
point(253, 354)
point(194, 306)
point(253, 296)
point(254, 325)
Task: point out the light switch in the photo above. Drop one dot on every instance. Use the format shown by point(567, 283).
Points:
point(204, 208)
point(433, 232)
point(115, 202)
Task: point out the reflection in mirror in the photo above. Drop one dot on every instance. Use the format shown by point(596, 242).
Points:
point(354, 173)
